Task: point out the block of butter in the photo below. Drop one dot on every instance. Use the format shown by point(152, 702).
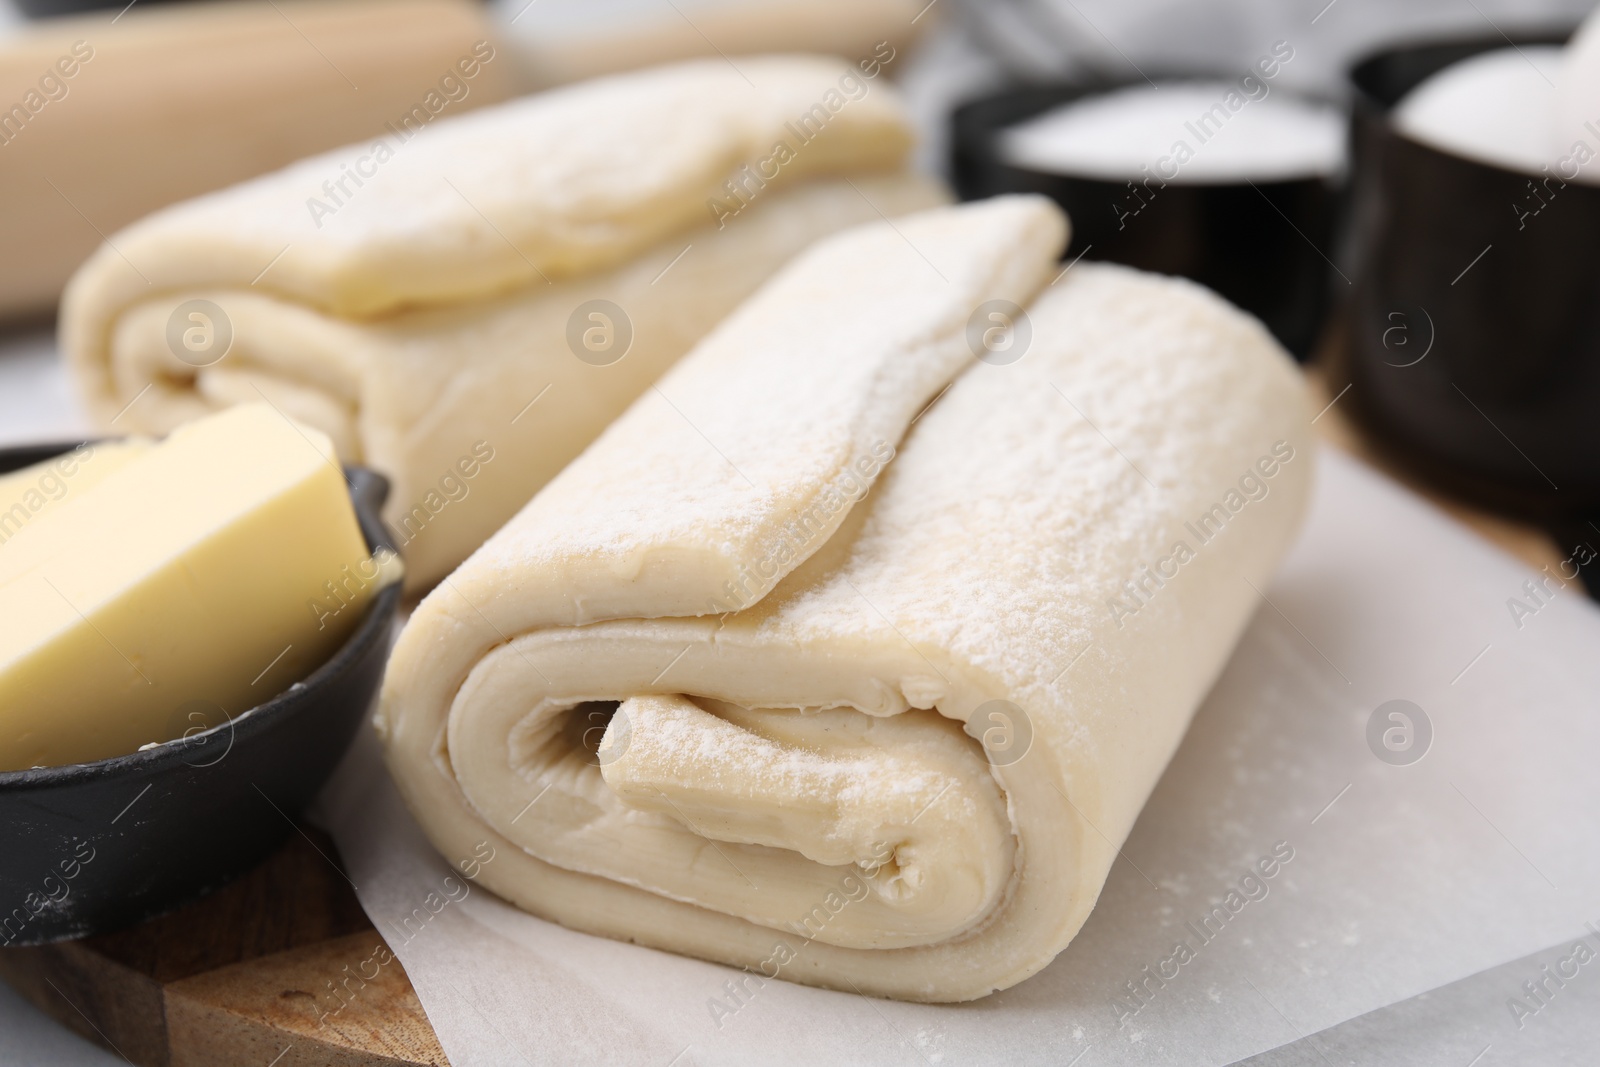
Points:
point(31, 490)
point(205, 573)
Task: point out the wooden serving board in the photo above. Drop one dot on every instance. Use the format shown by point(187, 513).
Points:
point(247, 975)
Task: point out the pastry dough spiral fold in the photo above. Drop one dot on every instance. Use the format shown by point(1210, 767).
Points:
point(415, 297)
point(844, 656)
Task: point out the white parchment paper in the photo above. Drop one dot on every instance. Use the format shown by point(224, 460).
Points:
point(1402, 876)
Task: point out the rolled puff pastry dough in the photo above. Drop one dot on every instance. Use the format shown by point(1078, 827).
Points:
point(709, 693)
point(417, 301)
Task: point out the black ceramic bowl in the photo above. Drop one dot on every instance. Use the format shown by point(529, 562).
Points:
point(1473, 338)
point(1261, 246)
point(97, 846)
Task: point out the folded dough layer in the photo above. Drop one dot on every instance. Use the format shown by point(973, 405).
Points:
point(419, 304)
point(707, 693)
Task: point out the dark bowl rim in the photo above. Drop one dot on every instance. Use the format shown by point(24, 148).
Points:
point(960, 121)
point(367, 490)
point(1556, 32)
point(1366, 106)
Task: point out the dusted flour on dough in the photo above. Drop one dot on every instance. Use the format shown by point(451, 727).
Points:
point(425, 324)
point(894, 743)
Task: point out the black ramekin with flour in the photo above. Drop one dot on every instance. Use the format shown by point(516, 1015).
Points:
point(1228, 179)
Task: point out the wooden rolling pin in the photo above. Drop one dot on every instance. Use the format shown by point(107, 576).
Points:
point(107, 116)
point(566, 40)
point(104, 118)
